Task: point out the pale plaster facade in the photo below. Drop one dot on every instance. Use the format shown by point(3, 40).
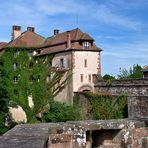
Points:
point(80, 64)
point(85, 72)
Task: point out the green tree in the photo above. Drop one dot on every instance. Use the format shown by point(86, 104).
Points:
point(3, 97)
point(134, 72)
point(108, 77)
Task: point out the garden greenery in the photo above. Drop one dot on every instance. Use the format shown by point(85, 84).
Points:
point(105, 106)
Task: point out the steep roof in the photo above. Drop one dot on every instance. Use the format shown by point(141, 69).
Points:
point(58, 43)
point(27, 39)
point(76, 35)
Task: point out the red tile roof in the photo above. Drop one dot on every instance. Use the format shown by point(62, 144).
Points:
point(75, 34)
point(58, 43)
point(27, 39)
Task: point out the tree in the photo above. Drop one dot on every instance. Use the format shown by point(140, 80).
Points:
point(134, 72)
point(108, 77)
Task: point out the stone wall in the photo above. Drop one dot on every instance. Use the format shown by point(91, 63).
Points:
point(135, 89)
point(78, 134)
point(131, 87)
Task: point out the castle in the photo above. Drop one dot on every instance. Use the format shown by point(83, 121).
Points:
point(73, 52)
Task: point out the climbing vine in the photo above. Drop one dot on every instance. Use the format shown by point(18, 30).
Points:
point(27, 76)
point(106, 106)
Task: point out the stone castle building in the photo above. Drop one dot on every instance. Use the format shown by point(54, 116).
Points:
point(74, 51)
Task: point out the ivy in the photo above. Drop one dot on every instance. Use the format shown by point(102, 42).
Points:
point(28, 77)
point(105, 106)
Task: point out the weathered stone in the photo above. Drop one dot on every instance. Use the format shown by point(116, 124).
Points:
point(78, 134)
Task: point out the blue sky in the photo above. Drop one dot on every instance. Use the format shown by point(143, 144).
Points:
point(120, 27)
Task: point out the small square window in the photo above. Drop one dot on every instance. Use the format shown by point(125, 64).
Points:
point(15, 79)
point(86, 45)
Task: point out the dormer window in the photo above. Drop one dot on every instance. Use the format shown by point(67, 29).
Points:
point(86, 45)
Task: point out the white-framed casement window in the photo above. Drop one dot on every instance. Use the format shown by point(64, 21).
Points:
point(86, 45)
point(15, 65)
point(15, 79)
point(16, 54)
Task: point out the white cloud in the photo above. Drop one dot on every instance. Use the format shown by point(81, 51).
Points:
point(110, 17)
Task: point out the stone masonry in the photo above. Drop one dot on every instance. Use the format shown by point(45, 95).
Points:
point(78, 134)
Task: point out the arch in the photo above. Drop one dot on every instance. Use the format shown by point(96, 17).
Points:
point(85, 88)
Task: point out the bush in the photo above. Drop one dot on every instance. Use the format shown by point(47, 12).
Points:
point(105, 106)
point(60, 112)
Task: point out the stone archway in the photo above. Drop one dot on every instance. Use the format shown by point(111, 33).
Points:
point(85, 88)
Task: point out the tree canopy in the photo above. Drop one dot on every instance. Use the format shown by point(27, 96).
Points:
point(134, 72)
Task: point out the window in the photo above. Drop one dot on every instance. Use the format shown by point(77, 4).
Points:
point(50, 64)
point(81, 77)
point(30, 65)
point(16, 54)
point(31, 79)
point(30, 54)
point(86, 45)
point(89, 77)
point(85, 62)
point(61, 63)
point(38, 78)
point(48, 78)
point(15, 65)
point(15, 79)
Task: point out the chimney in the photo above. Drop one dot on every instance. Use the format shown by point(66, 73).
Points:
point(56, 31)
point(16, 31)
point(32, 29)
point(68, 39)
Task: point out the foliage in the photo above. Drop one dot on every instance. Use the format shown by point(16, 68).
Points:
point(108, 77)
point(3, 98)
point(60, 112)
point(104, 106)
point(32, 72)
point(133, 72)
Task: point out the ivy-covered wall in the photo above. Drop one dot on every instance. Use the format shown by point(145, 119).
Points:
point(27, 75)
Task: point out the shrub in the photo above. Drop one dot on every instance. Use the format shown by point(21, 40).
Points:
point(60, 112)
